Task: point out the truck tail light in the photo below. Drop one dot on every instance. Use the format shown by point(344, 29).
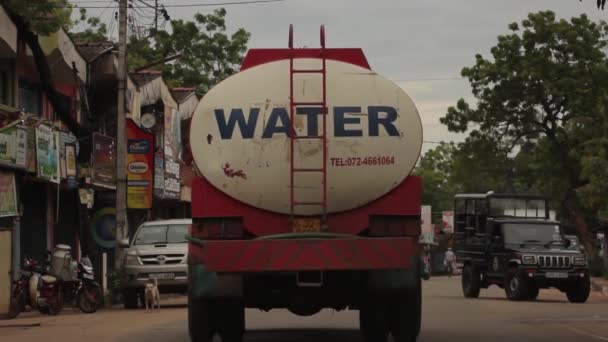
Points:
point(386, 226)
point(219, 229)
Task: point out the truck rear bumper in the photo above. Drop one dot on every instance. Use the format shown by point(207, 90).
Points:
point(243, 256)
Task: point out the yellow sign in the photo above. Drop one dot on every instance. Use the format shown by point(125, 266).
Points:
point(306, 225)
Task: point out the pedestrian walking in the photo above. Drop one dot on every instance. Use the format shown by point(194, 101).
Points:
point(448, 261)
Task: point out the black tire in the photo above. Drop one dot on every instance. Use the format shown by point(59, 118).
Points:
point(89, 298)
point(579, 291)
point(199, 321)
point(55, 308)
point(373, 319)
point(129, 298)
point(231, 323)
point(517, 285)
point(533, 292)
point(405, 314)
point(15, 308)
point(471, 281)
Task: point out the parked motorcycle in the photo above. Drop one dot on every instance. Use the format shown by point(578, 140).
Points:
point(72, 282)
point(24, 290)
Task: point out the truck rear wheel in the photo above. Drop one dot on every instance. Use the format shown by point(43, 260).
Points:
point(230, 320)
point(471, 281)
point(199, 322)
point(405, 314)
point(130, 298)
point(517, 285)
point(579, 291)
point(373, 319)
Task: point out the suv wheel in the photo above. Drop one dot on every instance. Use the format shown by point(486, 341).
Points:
point(517, 285)
point(471, 281)
point(533, 292)
point(578, 292)
point(130, 298)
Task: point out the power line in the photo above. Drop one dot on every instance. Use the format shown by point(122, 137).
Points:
point(430, 79)
point(190, 5)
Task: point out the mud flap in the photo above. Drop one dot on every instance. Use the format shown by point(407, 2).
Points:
point(203, 283)
point(390, 280)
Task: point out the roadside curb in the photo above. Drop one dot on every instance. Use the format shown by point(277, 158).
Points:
point(599, 287)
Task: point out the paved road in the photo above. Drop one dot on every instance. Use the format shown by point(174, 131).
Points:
point(446, 316)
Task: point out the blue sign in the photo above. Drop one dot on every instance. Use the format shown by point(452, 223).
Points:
point(278, 122)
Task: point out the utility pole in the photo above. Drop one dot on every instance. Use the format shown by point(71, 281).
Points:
point(155, 16)
point(121, 137)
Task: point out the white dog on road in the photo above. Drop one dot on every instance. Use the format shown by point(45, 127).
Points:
point(152, 295)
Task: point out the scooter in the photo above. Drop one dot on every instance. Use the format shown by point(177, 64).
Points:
point(81, 289)
point(23, 294)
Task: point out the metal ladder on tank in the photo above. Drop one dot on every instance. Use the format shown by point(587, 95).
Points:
point(293, 136)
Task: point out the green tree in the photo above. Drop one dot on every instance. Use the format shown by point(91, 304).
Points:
point(546, 80)
point(208, 53)
point(435, 167)
point(95, 31)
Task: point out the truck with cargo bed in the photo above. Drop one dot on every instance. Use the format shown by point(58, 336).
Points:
point(305, 199)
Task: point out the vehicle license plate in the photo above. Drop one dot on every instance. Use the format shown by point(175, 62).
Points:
point(306, 225)
point(88, 276)
point(556, 275)
point(162, 276)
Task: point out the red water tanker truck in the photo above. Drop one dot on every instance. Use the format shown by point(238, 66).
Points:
point(305, 199)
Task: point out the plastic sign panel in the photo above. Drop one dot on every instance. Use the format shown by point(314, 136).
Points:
point(426, 223)
point(241, 136)
point(13, 147)
point(140, 167)
point(103, 161)
point(47, 153)
point(448, 221)
point(8, 194)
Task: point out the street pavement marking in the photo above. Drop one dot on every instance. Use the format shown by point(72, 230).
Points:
point(584, 333)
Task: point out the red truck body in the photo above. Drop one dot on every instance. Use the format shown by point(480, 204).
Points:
point(366, 258)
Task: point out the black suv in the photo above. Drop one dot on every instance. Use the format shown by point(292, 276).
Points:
point(509, 241)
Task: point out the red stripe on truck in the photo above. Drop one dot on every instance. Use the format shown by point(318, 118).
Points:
point(238, 256)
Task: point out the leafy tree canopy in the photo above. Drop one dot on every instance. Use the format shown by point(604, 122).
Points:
point(208, 53)
point(544, 87)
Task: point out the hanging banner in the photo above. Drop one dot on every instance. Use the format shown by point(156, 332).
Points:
point(103, 166)
point(448, 221)
point(159, 175)
point(30, 161)
point(71, 170)
point(47, 153)
point(140, 167)
point(13, 147)
point(172, 133)
point(65, 139)
point(426, 225)
point(172, 185)
point(8, 194)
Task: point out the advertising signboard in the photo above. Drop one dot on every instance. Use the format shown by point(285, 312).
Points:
point(103, 171)
point(172, 185)
point(448, 221)
point(47, 153)
point(8, 195)
point(13, 147)
point(140, 167)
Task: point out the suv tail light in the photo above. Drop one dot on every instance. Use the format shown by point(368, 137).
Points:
point(394, 226)
point(219, 229)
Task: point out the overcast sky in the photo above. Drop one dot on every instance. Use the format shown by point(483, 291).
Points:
point(409, 41)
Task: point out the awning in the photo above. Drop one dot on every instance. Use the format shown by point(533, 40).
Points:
point(61, 53)
point(8, 36)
